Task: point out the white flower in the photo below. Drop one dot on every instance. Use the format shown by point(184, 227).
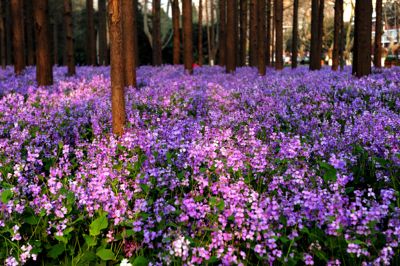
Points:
point(180, 247)
point(125, 262)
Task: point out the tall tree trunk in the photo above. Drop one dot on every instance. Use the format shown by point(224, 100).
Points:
point(261, 37)
point(362, 38)
point(295, 33)
point(156, 34)
point(55, 43)
point(69, 37)
point(200, 37)
point(91, 34)
point(320, 30)
point(243, 32)
point(279, 34)
point(268, 37)
point(230, 36)
point(8, 33)
point(176, 31)
point(341, 42)
point(44, 69)
point(128, 42)
point(103, 50)
point(117, 67)
point(222, 32)
point(3, 58)
point(188, 35)
point(315, 58)
point(337, 34)
point(253, 32)
point(18, 35)
point(29, 32)
point(378, 35)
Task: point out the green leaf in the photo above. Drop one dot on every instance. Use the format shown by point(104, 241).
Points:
point(86, 258)
point(329, 172)
point(6, 195)
point(145, 188)
point(221, 205)
point(99, 224)
point(140, 261)
point(56, 251)
point(32, 220)
point(105, 254)
point(90, 240)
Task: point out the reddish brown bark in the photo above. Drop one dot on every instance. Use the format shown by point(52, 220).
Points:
point(117, 67)
point(230, 36)
point(295, 32)
point(156, 34)
point(29, 33)
point(188, 33)
point(91, 34)
point(200, 38)
point(320, 31)
point(69, 37)
point(279, 34)
point(128, 42)
point(378, 35)
point(18, 35)
point(176, 32)
point(7, 11)
point(362, 38)
point(253, 32)
point(243, 31)
point(44, 70)
point(2, 37)
point(222, 32)
point(268, 37)
point(261, 37)
point(315, 58)
point(103, 49)
point(336, 34)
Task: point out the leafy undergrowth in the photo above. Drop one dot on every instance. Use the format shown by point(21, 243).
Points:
point(292, 168)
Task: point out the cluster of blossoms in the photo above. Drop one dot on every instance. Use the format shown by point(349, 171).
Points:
point(296, 166)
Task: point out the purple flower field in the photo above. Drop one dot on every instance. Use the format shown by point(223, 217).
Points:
point(293, 168)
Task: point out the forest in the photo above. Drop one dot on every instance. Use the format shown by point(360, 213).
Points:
point(199, 132)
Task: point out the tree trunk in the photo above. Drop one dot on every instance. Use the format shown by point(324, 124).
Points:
point(128, 42)
point(2, 37)
point(279, 34)
point(362, 38)
point(188, 35)
point(314, 56)
point(8, 33)
point(320, 31)
point(341, 42)
point(261, 37)
point(91, 38)
point(18, 35)
point(103, 50)
point(230, 36)
point(268, 37)
point(156, 34)
point(378, 35)
point(222, 32)
point(295, 32)
point(200, 37)
point(337, 33)
point(29, 33)
point(69, 37)
point(253, 32)
point(55, 44)
point(44, 69)
point(176, 31)
point(243, 32)
point(117, 67)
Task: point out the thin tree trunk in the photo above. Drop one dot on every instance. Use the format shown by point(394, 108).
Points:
point(243, 31)
point(91, 38)
point(279, 34)
point(337, 34)
point(55, 43)
point(222, 32)
point(30, 45)
point(253, 32)
point(273, 36)
point(18, 35)
point(261, 37)
point(208, 33)
point(268, 37)
point(44, 69)
point(188, 33)
point(362, 38)
point(8, 33)
point(117, 67)
point(295, 33)
point(320, 30)
point(156, 34)
point(314, 56)
point(3, 58)
point(230, 36)
point(341, 42)
point(378, 35)
point(200, 37)
point(176, 31)
point(69, 37)
point(128, 42)
point(103, 50)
